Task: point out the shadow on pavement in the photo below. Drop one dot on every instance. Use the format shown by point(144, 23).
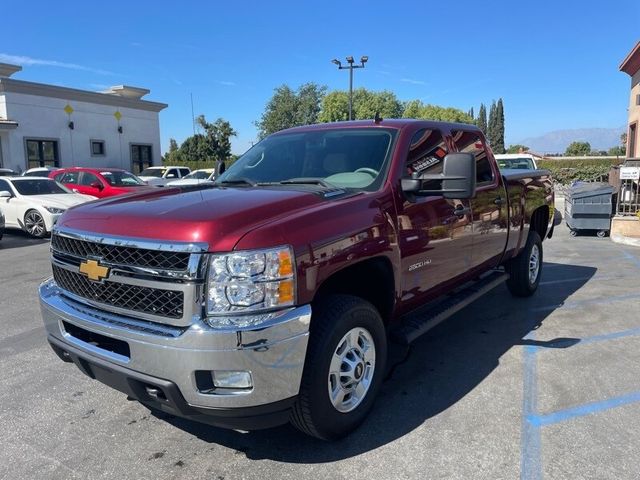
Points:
point(443, 367)
point(17, 239)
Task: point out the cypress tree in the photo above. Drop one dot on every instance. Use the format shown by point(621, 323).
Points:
point(492, 126)
point(481, 122)
point(498, 147)
point(471, 114)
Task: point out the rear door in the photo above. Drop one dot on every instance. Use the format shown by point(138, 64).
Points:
point(488, 206)
point(435, 241)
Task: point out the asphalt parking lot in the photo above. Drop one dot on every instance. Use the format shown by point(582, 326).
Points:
point(546, 387)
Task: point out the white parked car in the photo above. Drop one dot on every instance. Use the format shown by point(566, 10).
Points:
point(195, 178)
point(39, 172)
point(34, 204)
point(160, 176)
point(518, 161)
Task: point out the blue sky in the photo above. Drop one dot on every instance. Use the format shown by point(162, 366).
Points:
point(555, 64)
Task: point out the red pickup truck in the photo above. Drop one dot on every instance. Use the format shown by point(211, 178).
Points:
point(271, 295)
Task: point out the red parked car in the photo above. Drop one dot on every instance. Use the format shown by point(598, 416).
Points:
point(99, 182)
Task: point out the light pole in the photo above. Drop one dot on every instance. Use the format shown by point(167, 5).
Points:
point(350, 67)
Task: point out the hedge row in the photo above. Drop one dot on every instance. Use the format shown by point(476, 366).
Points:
point(567, 171)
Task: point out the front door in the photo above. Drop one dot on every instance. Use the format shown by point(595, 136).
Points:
point(489, 205)
point(90, 184)
point(141, 158)
point(435, 242)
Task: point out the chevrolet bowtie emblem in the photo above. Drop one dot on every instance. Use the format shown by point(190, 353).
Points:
point(93, 270)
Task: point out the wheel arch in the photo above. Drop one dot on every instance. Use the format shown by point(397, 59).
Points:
point(539, 222)
point(371, 279)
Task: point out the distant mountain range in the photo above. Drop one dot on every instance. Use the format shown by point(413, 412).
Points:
point(558, 140)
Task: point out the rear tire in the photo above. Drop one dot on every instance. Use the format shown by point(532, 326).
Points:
point(344, 367)
point(525, 270)
point(602, 233)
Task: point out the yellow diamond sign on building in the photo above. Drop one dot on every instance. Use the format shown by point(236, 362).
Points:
point(118, 115)
point(68, 109)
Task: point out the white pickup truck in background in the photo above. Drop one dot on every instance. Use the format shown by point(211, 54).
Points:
point(518, 161)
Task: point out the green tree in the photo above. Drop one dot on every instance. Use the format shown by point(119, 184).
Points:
point(498, 146)
point(492, 126)
point(195, 148)
point(481, 122)
point(618, 151)
point(288, 108)
point(578, 149)
point(335, 107)
point(471, 113)
point(366, 103)
point(517, 148)
point(218, 137)
point(173, 155)
point(417, 109)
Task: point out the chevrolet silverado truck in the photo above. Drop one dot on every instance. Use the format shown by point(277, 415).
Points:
point(271, 295)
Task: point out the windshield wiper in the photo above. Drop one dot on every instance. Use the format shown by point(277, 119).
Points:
point(238, 181)
point(307, 181)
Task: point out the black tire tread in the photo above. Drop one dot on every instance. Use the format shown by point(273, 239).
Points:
point(518, 268)
point(331, 307)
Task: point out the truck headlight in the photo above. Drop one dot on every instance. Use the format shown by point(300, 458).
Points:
point(248, 282)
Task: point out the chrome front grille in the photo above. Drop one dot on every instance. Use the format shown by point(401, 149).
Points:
point(160, 282)
point(153, 301)
point(121, 255)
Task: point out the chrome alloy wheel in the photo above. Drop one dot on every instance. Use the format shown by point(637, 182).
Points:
point(351, 370)
point(34, 224)
point(534, 264)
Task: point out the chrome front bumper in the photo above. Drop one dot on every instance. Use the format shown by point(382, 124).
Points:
point(274, 355)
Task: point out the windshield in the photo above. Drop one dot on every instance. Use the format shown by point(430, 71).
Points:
point(347, 158)
point(153, 172)
point(198, 175)
point(39, 186)
point(122, 179)
point(523, 163)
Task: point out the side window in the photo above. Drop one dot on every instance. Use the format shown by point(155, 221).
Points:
point(88, 178)
point(172, 173)
point(184, 172)
point(69, 177)
point(426, 155)
point(4, 187)
point(470, 142)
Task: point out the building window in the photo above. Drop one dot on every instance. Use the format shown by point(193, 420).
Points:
point(140, 157)
point(42, 153)
point(97, 148)
point(631, 153)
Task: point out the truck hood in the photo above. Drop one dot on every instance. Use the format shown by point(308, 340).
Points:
point(217, 216)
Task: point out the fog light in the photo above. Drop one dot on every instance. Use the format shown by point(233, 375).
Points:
point(232, 379)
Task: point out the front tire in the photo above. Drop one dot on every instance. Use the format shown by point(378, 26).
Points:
point(344, 368)
point(525, 270)
point(34, 224)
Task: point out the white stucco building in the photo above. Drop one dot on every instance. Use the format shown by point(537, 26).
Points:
point(47, 125)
